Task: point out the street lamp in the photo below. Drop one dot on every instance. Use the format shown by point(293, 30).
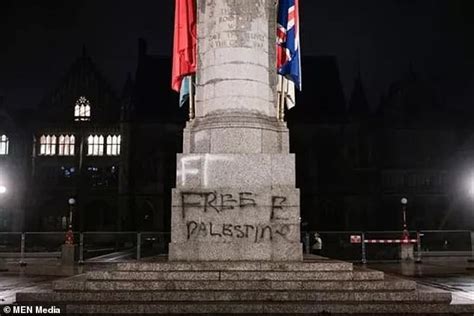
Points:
point(69, 233)
point(71, 202)
point(3, 189)
point(404, 202)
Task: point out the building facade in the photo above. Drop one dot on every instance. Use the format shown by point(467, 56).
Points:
point(115, 153)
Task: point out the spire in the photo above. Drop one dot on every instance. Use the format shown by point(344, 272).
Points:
point(128, 86)
point(127, 99)
point(358, 104)
point(142, 47)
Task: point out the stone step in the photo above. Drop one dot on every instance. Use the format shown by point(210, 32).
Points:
point(236, 296)
point(395, 285)
point(381, 308)
point(235, 275)
point(312, 265)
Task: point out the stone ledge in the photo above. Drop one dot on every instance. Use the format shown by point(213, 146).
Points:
point(234, 275)
point(375, 285)
point(239, 296)
point(229, 119)
point(323, 265)
point(274, 308)
point(208, 251)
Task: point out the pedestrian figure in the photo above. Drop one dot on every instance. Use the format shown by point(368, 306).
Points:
point(318, 245)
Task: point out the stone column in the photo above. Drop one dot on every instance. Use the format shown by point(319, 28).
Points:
point(235, 196)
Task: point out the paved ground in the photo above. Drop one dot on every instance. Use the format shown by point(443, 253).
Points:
point(11, 283)
point(455, 275)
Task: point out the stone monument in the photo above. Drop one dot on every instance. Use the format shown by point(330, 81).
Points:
point(235, 195)
point(235, 216)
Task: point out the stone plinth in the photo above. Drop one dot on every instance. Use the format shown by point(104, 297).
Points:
point(67, 255)
point(236, 223)
point(407, 252)
point(235, 196)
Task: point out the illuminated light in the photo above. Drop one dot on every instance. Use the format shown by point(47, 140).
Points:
point(82, 110)
point(95, 145)
point(404, 201)
point(3, 189)
point(48, 145)
point(113, 145)
point(72, 201)
point(471, 187)
point(4, 145)
point(66, 145)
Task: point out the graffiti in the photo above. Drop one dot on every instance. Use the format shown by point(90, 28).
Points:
point(212, 201)
point(195, 204)
point(277, 205)
point(256, 233)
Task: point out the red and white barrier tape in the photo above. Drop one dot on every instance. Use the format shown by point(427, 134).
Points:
point(390, 241)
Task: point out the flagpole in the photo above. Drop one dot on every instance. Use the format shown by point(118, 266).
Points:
point(191, 99)
point(282, 100)
point(278, 88)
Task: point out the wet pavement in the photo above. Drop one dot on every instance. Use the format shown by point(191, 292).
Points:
point(13, 282)
point(455, 275)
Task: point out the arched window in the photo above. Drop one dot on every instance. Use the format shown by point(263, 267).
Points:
point(113, 145)
point(48, 145)
point(66, 145)
point(4, 145)
point(82, 110)
point(95, 145)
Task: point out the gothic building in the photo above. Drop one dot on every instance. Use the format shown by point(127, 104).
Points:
point(115, 153)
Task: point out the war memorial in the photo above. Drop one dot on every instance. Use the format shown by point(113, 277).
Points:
point(235, 234)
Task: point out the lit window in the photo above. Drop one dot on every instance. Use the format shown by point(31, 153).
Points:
point(95, 145)
point(113, 145)
point(3, 145)
point(48, 145)
point(82, 110)
point(66, 145)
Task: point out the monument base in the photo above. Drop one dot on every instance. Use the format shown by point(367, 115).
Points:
point(209, 251)
point(235, 197)
point(230, 224)
point(309, 287)
point(67, 255)
point(407, 252)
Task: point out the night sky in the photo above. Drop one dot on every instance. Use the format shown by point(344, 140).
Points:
point(40, 39)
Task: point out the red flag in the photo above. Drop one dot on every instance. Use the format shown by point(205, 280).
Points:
point(185, 42)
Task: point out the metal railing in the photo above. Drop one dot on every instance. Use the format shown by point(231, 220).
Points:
point(100, 247)
point(96, 247)
point(367, 246)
